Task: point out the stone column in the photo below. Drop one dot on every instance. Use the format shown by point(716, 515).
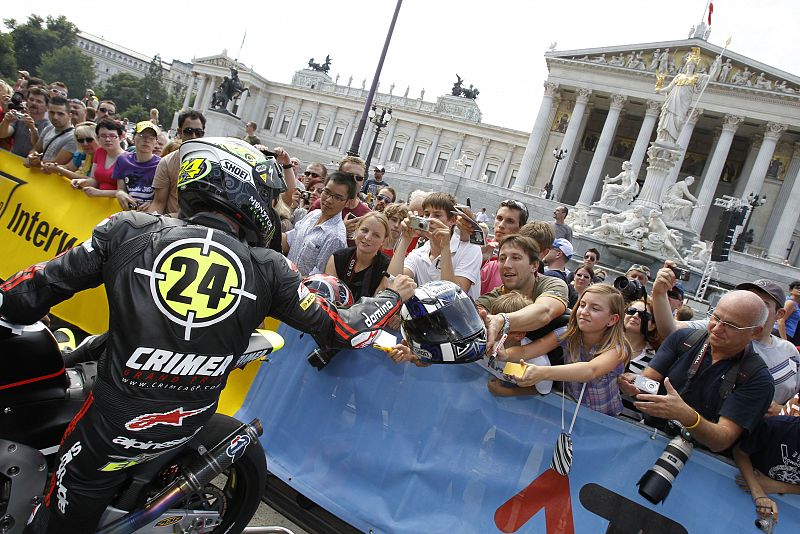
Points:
point(407, 153)
point(683, 142)
point(348, 131)
point(242, 109)
point(706, 195)
point(291, 133)
point(276, 123)
point(188, 97)
point(387, 142)
point(747, 167)
point(459, 146)
point(772, 133)
point(431, 156)
point(787, 218)
point(537, 138)
point(570, 136)
point(326, 139)
point(199, 101)
point(477, 167)
point(602, 149)
point(312, 125)
point(652, 109)
point(501, 175)
point(366, 138)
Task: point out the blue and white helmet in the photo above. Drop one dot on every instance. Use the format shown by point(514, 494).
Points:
point(442, 325)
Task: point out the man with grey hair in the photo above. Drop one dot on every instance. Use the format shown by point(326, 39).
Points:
point(715, 385)
point(415, 200)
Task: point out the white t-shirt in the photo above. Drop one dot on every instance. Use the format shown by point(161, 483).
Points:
point(466, 259)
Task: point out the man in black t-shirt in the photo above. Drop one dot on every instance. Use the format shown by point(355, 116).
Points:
point(695, 401)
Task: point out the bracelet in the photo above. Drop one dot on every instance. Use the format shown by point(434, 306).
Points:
point(696, 423)
point(506, 324)
point(289, 166)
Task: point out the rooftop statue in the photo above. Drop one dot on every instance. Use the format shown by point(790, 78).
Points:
point(229, 89)
point(324, 67)
point(680, 93)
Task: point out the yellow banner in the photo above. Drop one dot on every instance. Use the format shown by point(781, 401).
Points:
point(41, 216)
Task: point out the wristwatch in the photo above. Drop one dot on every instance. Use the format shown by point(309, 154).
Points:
point(285, 166)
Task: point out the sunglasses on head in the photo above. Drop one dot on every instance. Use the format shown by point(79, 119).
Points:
point(197, 132)
point(85, 139)
point(515, 204)
point(312, 174)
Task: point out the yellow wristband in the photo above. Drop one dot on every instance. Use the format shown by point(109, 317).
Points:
point(696, 423)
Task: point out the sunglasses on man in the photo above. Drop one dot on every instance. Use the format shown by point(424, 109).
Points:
point(193, 132)
point(107, 111)
point(312, 174)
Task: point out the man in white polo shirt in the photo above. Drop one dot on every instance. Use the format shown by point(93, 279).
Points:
point(444, 256)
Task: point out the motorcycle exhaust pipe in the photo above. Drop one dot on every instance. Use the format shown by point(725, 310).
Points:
point(199, 473)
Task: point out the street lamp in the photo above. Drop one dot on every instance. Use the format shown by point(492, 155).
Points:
point(380, 120)
point(559, 154)
point(753, 200)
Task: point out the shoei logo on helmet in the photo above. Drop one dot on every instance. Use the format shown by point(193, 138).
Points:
point(197, 282)
point(237, 170)
point(193, 170)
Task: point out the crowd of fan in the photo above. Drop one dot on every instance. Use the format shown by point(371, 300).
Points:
point(564, 326)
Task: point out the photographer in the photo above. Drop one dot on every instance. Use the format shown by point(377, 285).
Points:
point(717, 387)
point(779, 355)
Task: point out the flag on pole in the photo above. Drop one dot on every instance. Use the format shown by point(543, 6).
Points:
point(710, 11)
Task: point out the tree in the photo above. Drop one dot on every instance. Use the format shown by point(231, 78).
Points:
point(69, 65)
point(8, 63)
point(37, 36)
point(132, 94)
point(122, 88)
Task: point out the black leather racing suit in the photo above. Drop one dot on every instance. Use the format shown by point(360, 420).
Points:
point(183, 299)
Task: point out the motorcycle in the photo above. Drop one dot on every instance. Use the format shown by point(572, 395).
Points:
point(212, 484)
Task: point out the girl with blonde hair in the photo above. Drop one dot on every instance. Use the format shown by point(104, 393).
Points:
point(361, 267)
point(81, 164)
point(594, 346)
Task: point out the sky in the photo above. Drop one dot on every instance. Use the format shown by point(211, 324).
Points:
point(498, 46)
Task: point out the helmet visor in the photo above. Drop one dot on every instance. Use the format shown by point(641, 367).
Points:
point(450, 324)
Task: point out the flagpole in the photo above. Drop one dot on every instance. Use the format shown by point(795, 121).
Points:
point(708, 79)
point(241, 45)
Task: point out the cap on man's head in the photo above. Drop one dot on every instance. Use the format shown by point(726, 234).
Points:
point(677, 292)
point(773, 289)
point(145, 125)
point(564, 246)
point(644, 269)
point(380, 169)
point(24, 73)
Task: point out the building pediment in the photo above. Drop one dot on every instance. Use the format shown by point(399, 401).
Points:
point(220, 60)
point(669, 56)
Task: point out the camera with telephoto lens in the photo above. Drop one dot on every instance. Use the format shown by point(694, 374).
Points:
point(17, 103)
point(656, 483)
point(631, 289)
point(766, 524)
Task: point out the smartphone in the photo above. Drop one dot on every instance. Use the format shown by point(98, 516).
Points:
point(681, 273)
point(351, 215)
point(514, 369)
point(419, 223)
point(645, 385)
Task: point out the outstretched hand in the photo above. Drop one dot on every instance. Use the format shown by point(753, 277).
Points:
point(403, 285)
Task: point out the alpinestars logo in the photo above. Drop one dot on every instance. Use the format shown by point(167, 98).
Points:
point(61, 491)
point(172, 418)
point(378, 314)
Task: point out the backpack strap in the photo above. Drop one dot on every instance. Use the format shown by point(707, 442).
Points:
point(749, 364)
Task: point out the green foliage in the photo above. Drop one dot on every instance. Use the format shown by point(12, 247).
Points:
point(69, 65)
point(8, 63)
point(37, 36)
point(134, 95)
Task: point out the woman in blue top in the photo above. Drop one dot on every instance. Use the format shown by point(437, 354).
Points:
point(787, 325)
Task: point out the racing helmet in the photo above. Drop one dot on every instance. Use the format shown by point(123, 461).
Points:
point(441, 324)
point(330, 288)
point(230, 176)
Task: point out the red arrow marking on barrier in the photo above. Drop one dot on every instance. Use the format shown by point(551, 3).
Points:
point(549, 491)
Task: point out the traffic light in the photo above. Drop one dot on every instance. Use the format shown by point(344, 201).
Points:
point(724, 238)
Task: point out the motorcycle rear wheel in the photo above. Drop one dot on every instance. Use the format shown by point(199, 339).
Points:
point(236, 493)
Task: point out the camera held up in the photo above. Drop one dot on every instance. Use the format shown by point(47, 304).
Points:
point(631, 289)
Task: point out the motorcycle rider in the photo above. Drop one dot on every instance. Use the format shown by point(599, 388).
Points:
point(184, 295)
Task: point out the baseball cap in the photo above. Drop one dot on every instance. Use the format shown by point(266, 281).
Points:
point(564, 246)
point(144, 125)
point(640, 268)
point(773, 289)
point(677, 291)
point(24, 73)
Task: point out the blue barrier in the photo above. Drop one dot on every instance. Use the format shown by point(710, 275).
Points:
point(395, 448)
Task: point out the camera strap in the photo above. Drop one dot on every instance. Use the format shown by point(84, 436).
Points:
point(562, 453)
